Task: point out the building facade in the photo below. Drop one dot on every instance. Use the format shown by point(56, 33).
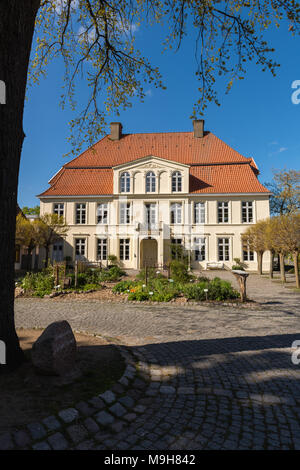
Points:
point(141, 196)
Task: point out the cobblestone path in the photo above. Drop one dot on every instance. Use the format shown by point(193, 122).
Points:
point(198, 377)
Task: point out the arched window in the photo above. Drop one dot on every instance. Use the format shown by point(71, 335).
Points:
point(150, 182)
point(125, 182)
point(176, 182)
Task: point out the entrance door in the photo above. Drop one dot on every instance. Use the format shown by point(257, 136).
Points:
point(148, 252)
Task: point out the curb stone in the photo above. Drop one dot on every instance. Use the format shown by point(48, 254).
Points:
point(72, 427)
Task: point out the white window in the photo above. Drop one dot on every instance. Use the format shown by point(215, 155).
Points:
point(247, 212)
point(176, 182)
point(124, 249)
point(223, 212)
point(125, 213)
point(102, 249)
point(248, 255)
point(81, 213)
point(150, 182)
point(125, 182)
point(223, 249)
point(59, 209)
point(80, 248)
point(102, 213)
point(199, 212)
point(176, 213)
point(150, 214)
point(200, 248)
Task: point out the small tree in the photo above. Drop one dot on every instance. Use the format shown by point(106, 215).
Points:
point(278, 234)
point(287, 235)
point(49, 229)
point(113, 260)
point(25, 233)
point(286, 192)
point(254, 238)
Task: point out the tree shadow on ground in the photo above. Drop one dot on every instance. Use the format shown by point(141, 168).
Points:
point(248, 362)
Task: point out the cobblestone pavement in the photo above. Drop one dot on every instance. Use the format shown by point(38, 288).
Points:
point(198, 377)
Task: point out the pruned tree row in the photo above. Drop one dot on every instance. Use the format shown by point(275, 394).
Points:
point(278, 235)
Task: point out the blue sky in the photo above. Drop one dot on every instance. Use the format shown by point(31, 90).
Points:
point(257, 117)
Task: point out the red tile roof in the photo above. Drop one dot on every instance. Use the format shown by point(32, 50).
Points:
point(234, 178)
point(214, 166)
point(81, 182)
point(180, 147)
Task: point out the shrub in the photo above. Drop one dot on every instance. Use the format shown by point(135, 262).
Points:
point(90, 276)
point(179, 271)
point(82, 279)
point(39, 284)
point(162, 296)
point(113, 260)
point(93, 275)
point(163, 290)
point(236, 267)
point(139, 295)
point(221, 290)
point(217, 290)
point(113, 273)
point(194, 292)
point(239, 265)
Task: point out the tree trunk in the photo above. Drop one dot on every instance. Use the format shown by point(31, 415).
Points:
point(259, 262)
point(272, 254)
point(242, 278)
point(282, 270)
point(296, 266)
point(47, 249)
point(17, 19)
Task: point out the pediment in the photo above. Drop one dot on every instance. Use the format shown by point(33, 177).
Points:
point(151, 162)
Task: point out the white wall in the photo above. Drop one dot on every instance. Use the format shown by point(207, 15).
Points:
point(187, 230)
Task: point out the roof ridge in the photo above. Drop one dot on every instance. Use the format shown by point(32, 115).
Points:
point(166, 132)
point(248, 161)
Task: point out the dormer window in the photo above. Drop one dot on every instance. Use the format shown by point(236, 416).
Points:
point(150, 182)
point(125, 182)
point(176, 182)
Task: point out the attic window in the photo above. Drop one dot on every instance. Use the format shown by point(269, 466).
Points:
point(176, 182)
point(150, 182)
point(125, 182)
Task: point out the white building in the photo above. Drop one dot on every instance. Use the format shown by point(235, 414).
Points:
point(138, 195)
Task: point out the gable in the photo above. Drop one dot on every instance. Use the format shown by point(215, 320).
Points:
point(161, 168)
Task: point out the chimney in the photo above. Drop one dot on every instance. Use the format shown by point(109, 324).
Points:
point(198, 128)
point(115, 130)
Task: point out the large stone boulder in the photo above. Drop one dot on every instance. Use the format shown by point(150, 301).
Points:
point(54, 352)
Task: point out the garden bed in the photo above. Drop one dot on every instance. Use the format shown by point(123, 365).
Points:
point(149, 286)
